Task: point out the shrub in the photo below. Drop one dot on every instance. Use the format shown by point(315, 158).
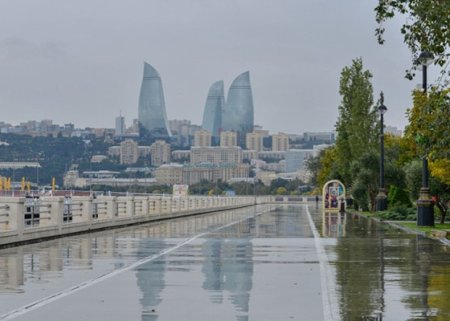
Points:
point(398, 197)
point(399, 213)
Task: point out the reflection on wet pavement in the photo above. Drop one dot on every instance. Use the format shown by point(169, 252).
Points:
point(264, 267)
point(384, 274)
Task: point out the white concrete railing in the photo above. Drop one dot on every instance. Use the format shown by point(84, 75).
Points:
point(24, 219)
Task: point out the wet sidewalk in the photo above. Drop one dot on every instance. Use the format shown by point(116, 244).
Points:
point(383, 273)
point(250, 264)
point(237, 265)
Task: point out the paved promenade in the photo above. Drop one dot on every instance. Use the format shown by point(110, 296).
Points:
point(257, 263)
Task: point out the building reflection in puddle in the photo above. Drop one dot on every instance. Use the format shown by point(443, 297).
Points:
point(47, 261)
point(228, 270)
point(150, 278)
point(382, 273)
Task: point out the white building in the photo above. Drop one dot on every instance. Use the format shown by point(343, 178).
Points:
point(194, 173)
point(254, 141)
point(160, 153)
point(129, 152)
point(280, 142)
point(216, 155)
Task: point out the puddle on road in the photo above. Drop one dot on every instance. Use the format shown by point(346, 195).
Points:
point(382, 273)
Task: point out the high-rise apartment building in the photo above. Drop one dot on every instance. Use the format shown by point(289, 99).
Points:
point(120, 126)
point(238, 112)
point(280, 142)
point(152, 107)
point(228, 139)
point(254, 141)
point(212, 115)
point(202, 138)
point(129, 152)
point(160, 153)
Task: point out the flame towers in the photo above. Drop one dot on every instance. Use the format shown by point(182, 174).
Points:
point(152, 109)
point(212, 116)
point(238, 112)
point(234, 115)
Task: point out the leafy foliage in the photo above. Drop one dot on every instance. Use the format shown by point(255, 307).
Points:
point(365, 177)
point(427, 27)
point(398, 196)
point(430, 127)
point(413, 177)
point(428, 123)
point(356, 125)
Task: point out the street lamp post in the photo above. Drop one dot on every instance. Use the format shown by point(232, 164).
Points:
point(425, 211)
point(381, 197)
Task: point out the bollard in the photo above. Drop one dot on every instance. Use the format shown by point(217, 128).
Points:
point(342, 207)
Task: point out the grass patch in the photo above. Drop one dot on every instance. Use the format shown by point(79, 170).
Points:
point(406, 217)
point(394, 214)
point(426, 229)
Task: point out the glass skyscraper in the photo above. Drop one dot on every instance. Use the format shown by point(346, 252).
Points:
point(152, 109)
point(212, 116)
point(238, 112)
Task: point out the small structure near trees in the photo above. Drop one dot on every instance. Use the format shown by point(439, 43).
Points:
point(333, 196)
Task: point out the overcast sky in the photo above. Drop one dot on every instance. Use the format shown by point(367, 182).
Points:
point(82, 61)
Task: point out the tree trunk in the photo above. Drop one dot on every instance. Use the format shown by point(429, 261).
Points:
point(443, 208)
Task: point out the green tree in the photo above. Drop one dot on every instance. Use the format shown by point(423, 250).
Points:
point(356, 126)
point(428, 123)
point(429, 128)
point(413, 172)
point(281, 191)
point(328, 168)
point(365, 180)
point(427, 26)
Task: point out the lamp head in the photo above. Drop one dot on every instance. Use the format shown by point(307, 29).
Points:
point(425, 58)
point(382, 109)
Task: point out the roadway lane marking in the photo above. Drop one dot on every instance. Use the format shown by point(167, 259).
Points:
point(81, 286)
point(330, 307)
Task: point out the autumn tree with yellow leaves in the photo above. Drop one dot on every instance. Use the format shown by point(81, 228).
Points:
point(429, 129)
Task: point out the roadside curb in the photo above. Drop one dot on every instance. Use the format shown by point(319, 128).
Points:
point(411, 231)
point(405, 229)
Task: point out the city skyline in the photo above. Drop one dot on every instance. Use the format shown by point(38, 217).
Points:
point(63, 62)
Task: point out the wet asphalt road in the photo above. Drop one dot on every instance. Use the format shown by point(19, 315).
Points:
point(250, 264)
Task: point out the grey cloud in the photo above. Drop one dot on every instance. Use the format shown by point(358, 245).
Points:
point(16, 49)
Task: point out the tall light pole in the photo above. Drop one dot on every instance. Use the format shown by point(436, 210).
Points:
point(381, 197)
point(425, 211)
